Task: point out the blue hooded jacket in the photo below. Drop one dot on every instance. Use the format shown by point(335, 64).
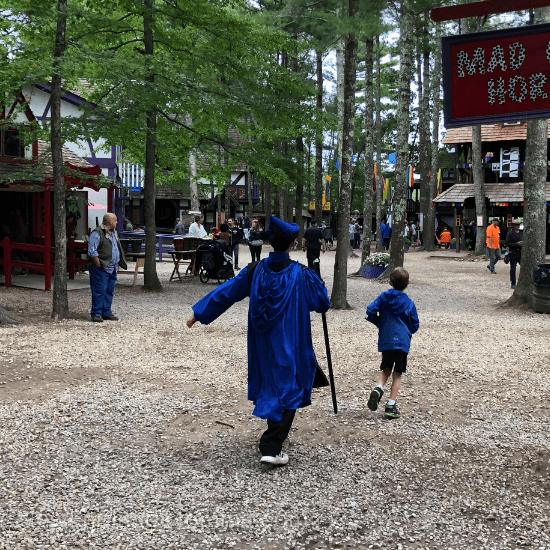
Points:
point(394, 314)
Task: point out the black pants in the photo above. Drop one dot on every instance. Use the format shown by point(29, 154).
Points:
point(255, 252)
point(272, 439)
point(513, 263)
point(311, 254)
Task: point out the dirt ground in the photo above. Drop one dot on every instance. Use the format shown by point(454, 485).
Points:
point(138, 434)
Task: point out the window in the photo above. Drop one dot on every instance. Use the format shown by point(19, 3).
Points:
point(11, 145)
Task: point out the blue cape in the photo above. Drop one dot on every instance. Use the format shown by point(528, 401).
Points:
point(281, 360)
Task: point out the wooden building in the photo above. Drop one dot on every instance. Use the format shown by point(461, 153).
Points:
point(26, 189)
point(503, 153)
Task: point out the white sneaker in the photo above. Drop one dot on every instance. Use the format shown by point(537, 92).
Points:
point(280, 460)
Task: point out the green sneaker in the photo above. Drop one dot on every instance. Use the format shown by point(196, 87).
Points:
point(374, 399)
point(392, 412)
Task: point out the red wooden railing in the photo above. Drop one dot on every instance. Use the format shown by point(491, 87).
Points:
point(46, 267)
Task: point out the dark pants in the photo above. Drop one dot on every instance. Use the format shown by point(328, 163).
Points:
point(273, 438)
point(494, 257)
point(234, 251)
point(255, 251)
point(102, 285)
point(386, 241)
point(311, 254)
point(513, 263)
point(356, 240)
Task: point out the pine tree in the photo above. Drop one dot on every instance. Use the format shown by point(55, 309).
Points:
point(402, 145)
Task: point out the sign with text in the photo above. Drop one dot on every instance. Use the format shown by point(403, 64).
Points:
point(496, 76)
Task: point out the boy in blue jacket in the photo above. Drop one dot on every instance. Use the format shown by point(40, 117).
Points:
point(394, 314)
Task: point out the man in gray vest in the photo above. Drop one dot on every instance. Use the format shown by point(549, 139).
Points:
point(104, 256)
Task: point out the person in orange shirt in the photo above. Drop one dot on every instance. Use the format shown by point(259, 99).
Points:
point(445, 238)
point(492, 236)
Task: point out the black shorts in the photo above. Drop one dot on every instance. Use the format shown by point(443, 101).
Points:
point(395, 357)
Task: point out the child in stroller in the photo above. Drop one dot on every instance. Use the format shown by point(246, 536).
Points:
point(213, 262)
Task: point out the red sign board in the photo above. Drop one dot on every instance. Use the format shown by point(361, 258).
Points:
point(496, 76)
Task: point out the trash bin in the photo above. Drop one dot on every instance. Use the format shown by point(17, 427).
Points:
point(135, 245)
point(541, 288)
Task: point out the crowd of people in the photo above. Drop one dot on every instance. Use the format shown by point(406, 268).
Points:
point(282, 368)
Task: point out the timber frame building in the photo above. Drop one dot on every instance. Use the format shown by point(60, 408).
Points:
point(503, 149)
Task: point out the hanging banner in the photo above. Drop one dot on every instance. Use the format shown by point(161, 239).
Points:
point(439, 186)
point(509, 162)
point(386, 193)
point(325, 206)
point(410, 176)
point(327, 183)
point(496, 76)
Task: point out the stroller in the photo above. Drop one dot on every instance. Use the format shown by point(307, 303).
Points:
point(213, 262)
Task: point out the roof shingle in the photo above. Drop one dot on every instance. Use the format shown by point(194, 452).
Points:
point(495, 192)
point(489, 132)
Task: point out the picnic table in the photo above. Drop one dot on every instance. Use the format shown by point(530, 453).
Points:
point(160, 236)
point(179, 257)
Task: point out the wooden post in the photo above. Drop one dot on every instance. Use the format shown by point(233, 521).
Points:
point(47, 239)
point(457, 230)
point(7, 262)
point(110, 193)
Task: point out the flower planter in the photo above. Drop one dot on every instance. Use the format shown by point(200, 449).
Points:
point(372, 271)
point(453, 246)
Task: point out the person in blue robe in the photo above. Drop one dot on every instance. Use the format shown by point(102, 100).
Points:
point(281, 360)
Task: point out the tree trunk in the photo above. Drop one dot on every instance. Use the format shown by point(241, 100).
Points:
point(340, 285)
point(193, 186)
point(250, 180)
point(379, 242)
point(299, 204)
point(60, 299)
point(150, 277)
point(219, 209)
point(369, 151)
point(402, 141)
point(479, 188)
point(319, 141)
point(268, 206)
point(534, 200)
point(428, 231)
point(424, 130)
point(227, 197)
point(534, 210)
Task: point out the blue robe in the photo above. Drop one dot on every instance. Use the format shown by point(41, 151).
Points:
point(281, 360)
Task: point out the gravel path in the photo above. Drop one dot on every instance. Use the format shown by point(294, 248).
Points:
point(138, 435)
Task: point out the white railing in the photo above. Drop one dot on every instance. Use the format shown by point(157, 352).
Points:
point(131, 175)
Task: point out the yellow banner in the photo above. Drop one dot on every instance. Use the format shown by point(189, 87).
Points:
point(326, 205)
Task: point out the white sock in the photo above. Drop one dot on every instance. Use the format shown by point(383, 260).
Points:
point(379, 386)
point(390, 402)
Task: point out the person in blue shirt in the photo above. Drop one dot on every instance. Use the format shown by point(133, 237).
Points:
point(394, 313)
point(104, 256)
point(281, 360)
point(385, 232)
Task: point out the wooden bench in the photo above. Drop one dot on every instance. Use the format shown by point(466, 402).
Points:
point(140, 262)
